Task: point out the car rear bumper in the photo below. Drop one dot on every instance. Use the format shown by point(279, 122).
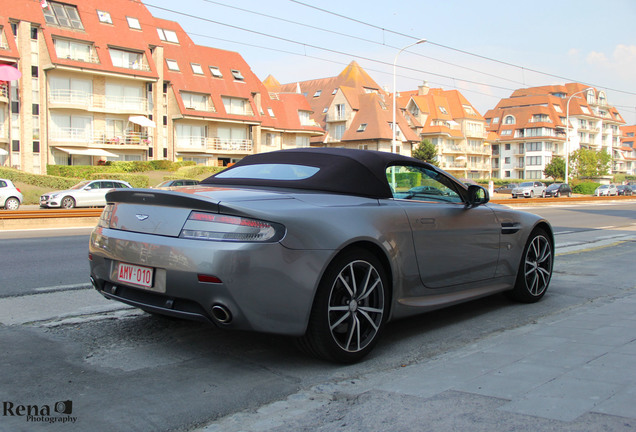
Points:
point(261, 286)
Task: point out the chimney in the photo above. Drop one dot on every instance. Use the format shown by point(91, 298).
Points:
point(422, 90)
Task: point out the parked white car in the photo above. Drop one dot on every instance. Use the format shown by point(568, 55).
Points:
point(606, 190)
point(10, 196)
point(89, 193)
point(529, 189)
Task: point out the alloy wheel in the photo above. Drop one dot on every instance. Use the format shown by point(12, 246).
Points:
point(538, 266)
point(356, 306)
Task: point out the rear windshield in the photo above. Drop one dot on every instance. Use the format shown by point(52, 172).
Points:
point(270, 172)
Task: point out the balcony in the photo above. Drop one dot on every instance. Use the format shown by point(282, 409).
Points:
point(453, 149)
point(63, 98)
point(214, 144)
point(88, 137)
point(336, 117)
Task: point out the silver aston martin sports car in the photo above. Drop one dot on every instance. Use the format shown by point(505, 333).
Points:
point(326, 245)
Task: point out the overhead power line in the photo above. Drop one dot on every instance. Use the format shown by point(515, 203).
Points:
point(523, 68)
point(304, 44)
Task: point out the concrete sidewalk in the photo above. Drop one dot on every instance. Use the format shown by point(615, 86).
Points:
point(574, 371)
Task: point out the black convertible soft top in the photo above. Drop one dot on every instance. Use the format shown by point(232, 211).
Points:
point(344, 171)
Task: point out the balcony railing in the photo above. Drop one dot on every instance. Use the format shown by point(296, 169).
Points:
point(453, 149)
point(216, 144)
point(89, 137)
point(90, 101)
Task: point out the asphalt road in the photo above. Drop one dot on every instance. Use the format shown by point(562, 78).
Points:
point(129, 371)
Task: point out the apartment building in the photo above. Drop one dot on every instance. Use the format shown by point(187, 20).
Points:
point(627, 151)
point(353, 110)
point(453, 125)
point(108, 81)
point(531, 127)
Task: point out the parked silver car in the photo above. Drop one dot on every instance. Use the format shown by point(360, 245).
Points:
point(606, 190)
point(89, 193)
point(10, 196)
point(325, 245)
point(529, 189)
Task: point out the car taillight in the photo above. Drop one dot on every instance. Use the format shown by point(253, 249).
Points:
point(18, 189)
point(107, 214)
point(219, 227)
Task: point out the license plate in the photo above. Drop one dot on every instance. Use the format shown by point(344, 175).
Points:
point(134, 274)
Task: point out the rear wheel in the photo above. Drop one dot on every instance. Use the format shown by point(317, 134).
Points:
point(12, 203)
point(350, 308)
point(68, 202)
point(535, 269)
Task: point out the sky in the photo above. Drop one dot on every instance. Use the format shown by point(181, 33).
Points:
point(486, 49)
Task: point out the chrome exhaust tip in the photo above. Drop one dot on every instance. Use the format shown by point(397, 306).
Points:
point(221, 314)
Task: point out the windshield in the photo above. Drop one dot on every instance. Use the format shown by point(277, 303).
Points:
point(554, 186)
point(80, 185)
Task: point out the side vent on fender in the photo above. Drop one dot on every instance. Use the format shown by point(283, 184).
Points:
point(510, 227)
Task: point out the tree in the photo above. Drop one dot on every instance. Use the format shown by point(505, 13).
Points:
point(555, 169)
point(426, 151)
point(590, 163)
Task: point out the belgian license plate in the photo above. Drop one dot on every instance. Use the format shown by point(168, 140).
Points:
point(134, 274)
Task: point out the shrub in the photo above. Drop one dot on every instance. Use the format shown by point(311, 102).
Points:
point(135, 180)
point(46, 181)
point(78, 171)
point(585, 187)
point(197, 171)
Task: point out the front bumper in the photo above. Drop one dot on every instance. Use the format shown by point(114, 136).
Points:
point(264, 286)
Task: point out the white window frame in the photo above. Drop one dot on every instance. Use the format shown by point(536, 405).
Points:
point(133, 23)
point(216, 72)
point(173, 65)
point(104, 17)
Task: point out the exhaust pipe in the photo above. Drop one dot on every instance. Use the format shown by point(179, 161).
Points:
point(221, 314)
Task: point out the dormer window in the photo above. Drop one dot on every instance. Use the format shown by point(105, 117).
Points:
point(216, 72)
point(133, 23)
point(62, 15)
point(237, 75)
point(509, 120)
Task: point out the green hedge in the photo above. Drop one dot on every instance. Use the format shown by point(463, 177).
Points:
point(135, 180)
point(585, 187)
point(47, 181)
point(79, 171)
point(193, 172)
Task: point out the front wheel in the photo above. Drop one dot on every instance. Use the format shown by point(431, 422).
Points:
point(12, 204)
point(350, 308)
point(68, 202)
point(535, 269)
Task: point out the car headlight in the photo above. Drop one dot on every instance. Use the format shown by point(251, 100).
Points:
point(220, 227)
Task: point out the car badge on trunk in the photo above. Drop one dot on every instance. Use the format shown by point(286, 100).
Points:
point(142, 217)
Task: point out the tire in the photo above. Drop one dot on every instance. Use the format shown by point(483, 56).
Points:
point(569, 194)
point(557, 194)
point(67, 202)
point(350, 308)
point(12, 203)
point(535, 268)
point(531, 194)
point(543, 194)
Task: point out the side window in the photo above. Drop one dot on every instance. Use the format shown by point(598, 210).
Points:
point(107, 185)
point(3, 183)
point(421, 184)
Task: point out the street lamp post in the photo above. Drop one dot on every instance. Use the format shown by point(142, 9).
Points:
point(394, 135)
point(567, 132)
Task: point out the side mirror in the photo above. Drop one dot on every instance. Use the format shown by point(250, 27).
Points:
point(477, 195)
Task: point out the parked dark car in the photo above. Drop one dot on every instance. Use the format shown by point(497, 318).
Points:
point(558, 189)
point(506, 189)
point(626, 190)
